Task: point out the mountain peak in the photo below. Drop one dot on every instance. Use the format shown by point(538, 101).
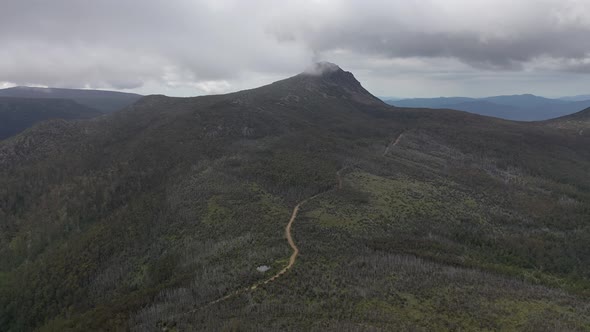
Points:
point(329, 79)
point(327, 71)
point(322, 68)
point(320, 80)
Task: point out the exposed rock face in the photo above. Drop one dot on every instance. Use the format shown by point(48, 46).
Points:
point(330, 81)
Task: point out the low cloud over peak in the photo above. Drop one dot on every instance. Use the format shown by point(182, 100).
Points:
point(320, 68)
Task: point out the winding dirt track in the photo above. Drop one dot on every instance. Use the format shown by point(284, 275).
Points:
point(289, 236)
point(289, 233)
point(293, 258)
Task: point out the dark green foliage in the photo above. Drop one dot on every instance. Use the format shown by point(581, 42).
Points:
point(18, 114)
point(101, 100)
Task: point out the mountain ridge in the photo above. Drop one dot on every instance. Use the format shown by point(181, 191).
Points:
point(102, 100)
point(18, 114)
point(524, 107)
point(578, 122)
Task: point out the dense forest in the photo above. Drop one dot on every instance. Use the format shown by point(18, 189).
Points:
point(18, 114)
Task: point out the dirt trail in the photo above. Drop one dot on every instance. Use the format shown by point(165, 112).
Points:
point(392, 144)
point(339, 177)
point(289, 236)
point(293, 258)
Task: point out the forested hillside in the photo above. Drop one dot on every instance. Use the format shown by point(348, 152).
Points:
point(18, 114)
point(101, 100)
point(578, 123)
point(412, 219)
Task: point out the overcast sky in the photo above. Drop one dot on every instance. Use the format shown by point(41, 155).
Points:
point(405, 48)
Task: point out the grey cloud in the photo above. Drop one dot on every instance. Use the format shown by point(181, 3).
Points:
point(214, 45)
point(507, 41)
point(577, 67)
point(120, 44)
point(321, 68)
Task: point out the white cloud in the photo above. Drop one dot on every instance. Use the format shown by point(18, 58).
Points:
point(200, 46)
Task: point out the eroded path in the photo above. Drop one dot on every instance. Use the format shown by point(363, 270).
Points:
point(393, 144)
point(292, 244)
point(289, 235)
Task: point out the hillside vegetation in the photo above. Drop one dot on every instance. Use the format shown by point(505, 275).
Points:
point(578, 123)
point(140, 220)
point(18, 114)
point(101, 100)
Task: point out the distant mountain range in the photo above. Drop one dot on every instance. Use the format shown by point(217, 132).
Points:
point(525, 107)
point(18, 114)
point(22, 107)
point(104, 101)
point(576, 98)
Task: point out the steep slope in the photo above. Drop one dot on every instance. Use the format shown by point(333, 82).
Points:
point(18, 114)
point(104, 101)
point(577, 122)
point(143, 219)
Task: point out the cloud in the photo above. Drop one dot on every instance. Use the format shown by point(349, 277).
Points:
point(211, 46)
point(123, 44)
point(495, 35)
point(320, 68)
